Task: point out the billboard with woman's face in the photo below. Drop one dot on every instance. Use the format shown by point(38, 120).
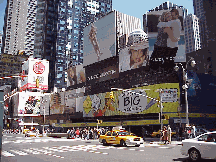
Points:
point(126, 103)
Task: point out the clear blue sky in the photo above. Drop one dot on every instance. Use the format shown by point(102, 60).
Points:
point(134, 8)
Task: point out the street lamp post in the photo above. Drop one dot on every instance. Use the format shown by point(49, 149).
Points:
point(44, 101)
point(186, 82)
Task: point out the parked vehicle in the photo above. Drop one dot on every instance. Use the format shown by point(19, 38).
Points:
point(203, 146)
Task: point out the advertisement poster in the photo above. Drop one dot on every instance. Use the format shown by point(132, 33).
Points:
point(100, 40)
point(80, 72)
point(57, 103)
point(136, 53)
point(35, 69)
point(151, 22)
point(45, 102)
point(72, 76)
point(29, 103)
point(106, 70)
point(70, 101)
point(128, 102)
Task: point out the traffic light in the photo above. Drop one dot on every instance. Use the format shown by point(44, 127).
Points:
point(37, 83)
point(99, 121)
point(111, 95)
point(166, 117)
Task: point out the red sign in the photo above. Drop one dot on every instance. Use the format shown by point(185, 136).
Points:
point(38, 68)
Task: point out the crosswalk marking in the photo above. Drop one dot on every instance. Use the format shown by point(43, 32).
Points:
point(19, 152)
point(7, 154)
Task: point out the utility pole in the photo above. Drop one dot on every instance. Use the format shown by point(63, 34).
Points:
point(161, 107)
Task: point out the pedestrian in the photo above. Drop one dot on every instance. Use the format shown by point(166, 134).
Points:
point(169, 133)
point(143, 133)
point(194, 130)
point(94, 134)
point(164, 137)
point(180, 133)
point(77, 133)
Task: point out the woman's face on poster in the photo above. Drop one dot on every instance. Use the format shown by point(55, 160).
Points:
point(168, 16)
point(137, 55)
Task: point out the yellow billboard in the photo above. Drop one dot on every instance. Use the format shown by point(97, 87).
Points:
point(134, 101)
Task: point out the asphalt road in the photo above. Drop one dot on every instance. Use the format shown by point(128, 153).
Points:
point(17, 148)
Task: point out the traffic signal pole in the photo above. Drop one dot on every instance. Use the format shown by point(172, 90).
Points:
point(161, 107)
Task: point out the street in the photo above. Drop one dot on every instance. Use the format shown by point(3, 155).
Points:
point(17, 148)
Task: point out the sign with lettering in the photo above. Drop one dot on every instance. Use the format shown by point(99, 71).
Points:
point(169, 95)
point(132, 101)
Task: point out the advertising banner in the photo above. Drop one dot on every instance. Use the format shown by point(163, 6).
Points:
point(70, 101)
point(75, 75)
point(57, 103)
point(108, 70)
point(29, 103)
point(152, 21)
point(100, 40)
point(136, 53)
point(45, 102)
point(80, 72)
point(36, 70)
point(128, 102)
point(72, 76)
point(169, 95)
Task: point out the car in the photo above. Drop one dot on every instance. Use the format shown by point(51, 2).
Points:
point(200, 131)
point(120, 137)
point(202, 146)
point(31, 133)
point(158, 133)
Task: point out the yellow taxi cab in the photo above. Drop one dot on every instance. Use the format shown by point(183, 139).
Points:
point(158, 133)
point(120, 137)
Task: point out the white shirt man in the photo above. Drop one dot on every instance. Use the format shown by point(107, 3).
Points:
point(176, 26)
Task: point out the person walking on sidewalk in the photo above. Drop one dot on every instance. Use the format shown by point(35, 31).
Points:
point(164, 137)
point(169, 133)
point(143, 133)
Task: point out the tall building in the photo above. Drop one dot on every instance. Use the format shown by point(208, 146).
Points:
point(0, 41)
point(192, 33)
point(79, 14)
point(205, 10)
point(18, 30)
point(46, 35)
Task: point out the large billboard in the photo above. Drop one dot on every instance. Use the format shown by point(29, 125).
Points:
point(57, 103)
point(152, 20)
point(75, 75)
point(100, 40)
point(36, 70)
point(136, 53)
point(104, 70)
point(29, 103)
point(68, 102)
point(126, 103)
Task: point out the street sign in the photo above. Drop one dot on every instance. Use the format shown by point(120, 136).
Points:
point(169, 95)
point(180, 121)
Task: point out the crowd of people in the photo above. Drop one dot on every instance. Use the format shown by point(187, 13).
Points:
point(86, 133)
point(12, 131)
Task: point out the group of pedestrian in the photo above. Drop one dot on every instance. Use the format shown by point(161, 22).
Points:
point(12, 131)
point(86, 133)
point(166, 135)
